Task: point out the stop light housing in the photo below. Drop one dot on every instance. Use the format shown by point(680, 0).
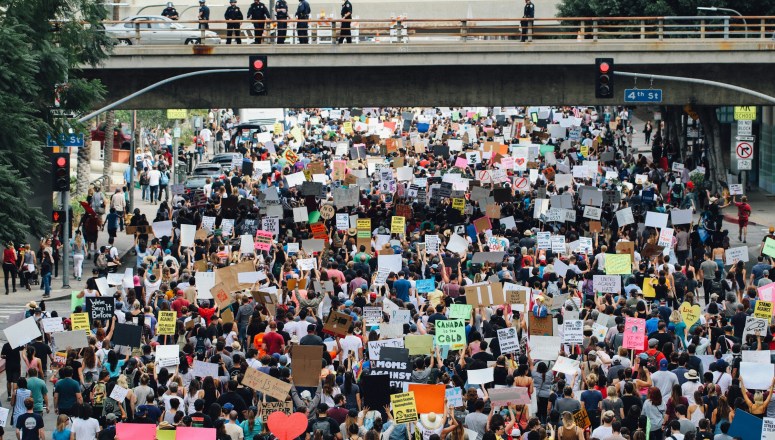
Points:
point(604, 78)
point(58, 217)
point(60, 171)
point(258, 70)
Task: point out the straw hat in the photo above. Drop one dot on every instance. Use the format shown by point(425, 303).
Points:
point(431, 421)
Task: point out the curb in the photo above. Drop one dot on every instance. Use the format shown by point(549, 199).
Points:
point(733, 219)
point(67, 297)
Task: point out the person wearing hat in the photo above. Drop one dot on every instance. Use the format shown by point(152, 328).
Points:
point(432, 423)
point(233, 16)
point(664, 379)
point(203, 17)
point(259, 12)
point(171, 13)
point(109, 432)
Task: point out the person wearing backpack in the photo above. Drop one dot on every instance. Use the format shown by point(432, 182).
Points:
point(164, 182)
point(327, 426)
point(98, 392)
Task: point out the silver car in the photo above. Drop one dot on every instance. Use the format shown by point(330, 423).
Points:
point(161, 30)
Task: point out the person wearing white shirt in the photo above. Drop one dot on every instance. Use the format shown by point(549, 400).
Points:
point(207, 138)
point(154, 177)
point(351, 343)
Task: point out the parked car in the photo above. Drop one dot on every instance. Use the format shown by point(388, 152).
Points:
point(121, 140)
point(212, 170)
point(156, 29)
point(225, 160)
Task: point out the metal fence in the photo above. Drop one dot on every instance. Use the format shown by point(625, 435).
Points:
point(326, 31)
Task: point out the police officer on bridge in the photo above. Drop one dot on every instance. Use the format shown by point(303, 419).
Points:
point(233, 16)
point(204, 15)
point(302, 14)
point(170, 12)
point(347, 14)
point(281, 12)
point(528, 13)
point(258, 11)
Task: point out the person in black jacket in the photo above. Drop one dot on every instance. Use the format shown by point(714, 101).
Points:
point(258, 11)
point(281, 13)
point(233, 13)
point(302, 13)
point(528, 14)
point(347, 14)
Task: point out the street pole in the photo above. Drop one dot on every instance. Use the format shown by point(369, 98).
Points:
point(132, 163)
point(66, 239)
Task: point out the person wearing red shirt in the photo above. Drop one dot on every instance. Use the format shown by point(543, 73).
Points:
point(179, 303)
point(743, 212)
point(9, 265)
point(273, 342)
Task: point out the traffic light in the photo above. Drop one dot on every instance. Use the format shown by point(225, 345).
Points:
point(258, 75)
point(604, 79)
point(57, 217)
point(60, 171)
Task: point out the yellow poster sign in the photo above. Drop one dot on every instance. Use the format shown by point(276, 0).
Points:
point(363, 224)
point(298, 136)
point(763, 309)
point(618, 264)
point(398, 225)
point(459, 204)
point(404, 407)
point(167, 323)
point(347, 127)
point(80, 321)
point(278, 128)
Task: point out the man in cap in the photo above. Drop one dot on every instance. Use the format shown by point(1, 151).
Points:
point(171, 13)
point(281, 13)
point(109, 432)
point(204, 15)
point(302, 14)
point(347, 13)
point(233, 16)
point(664, 379)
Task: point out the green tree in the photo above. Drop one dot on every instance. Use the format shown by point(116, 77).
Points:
point(647, 8)
point(41, 46)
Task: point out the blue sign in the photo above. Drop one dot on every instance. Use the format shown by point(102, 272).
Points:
point(65, 140)
point(642, 95)
point(425, 286)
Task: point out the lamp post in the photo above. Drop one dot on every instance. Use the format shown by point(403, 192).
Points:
point(716, 9)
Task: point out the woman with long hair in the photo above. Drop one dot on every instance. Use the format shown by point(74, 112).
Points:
point(722, 413)
point(251, 427)
point(85, 427)
point(351, 392)
point(130, 401)
point(542, 383)
point(654, 408)
point(632, 420)
point(209, 390)
point(758, 406)
point(330, 389)
point(193, 393)
point(643, 380)
point(62, 431)
point(113, 364)
point(592, 400)
point(569, 430)
point(78, 249)
point(698, 409)
point(31, 361)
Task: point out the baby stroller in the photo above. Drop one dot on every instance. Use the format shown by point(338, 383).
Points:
point(32, 277)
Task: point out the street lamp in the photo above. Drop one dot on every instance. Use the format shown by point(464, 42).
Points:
point(716, 9)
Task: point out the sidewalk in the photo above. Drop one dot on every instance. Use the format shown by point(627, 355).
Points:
point(123, 242)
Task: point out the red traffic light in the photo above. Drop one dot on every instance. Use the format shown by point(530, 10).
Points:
point(61, 161)
point(258, 64)
point(604, 67)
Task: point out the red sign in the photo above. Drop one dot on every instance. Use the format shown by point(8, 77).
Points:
point(318, 230)
point(744, 150)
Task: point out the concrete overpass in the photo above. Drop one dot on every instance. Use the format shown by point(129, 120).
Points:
point(438, 73)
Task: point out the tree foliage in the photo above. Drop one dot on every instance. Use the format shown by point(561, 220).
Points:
point(646, 8)
point(41, 46)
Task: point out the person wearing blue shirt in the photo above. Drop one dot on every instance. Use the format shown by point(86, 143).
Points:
point(402, 286)
point(653, 322)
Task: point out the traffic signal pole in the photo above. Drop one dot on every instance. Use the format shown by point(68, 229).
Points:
point(66, 239)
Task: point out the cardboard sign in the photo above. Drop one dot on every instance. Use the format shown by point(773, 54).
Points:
point(267, 408)
point(337, 324)
point(485, 294)
point(404, 408)
point(541, 326)
point(74, 339)
point(582, 419)
point(306, 364)
point(418, 344)
point(167, 323)
point(221, 296)
point(266, 384)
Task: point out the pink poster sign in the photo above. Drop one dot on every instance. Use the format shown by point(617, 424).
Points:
point(634, 333)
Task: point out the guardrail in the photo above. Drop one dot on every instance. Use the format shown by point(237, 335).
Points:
point(327, 31)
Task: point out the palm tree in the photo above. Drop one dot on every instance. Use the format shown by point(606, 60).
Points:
point(107, 160)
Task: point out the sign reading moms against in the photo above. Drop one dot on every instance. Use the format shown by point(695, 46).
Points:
point(393, 362)
point(266, 408)
point(450, 332)
point(100, 307)
point(404, 407)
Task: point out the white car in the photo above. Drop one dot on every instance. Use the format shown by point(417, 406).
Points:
point(158, 30)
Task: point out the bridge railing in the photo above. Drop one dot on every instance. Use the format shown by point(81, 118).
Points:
point(403, 30)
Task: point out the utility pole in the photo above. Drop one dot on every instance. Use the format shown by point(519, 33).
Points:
point(132, 163)
point(66, 238)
